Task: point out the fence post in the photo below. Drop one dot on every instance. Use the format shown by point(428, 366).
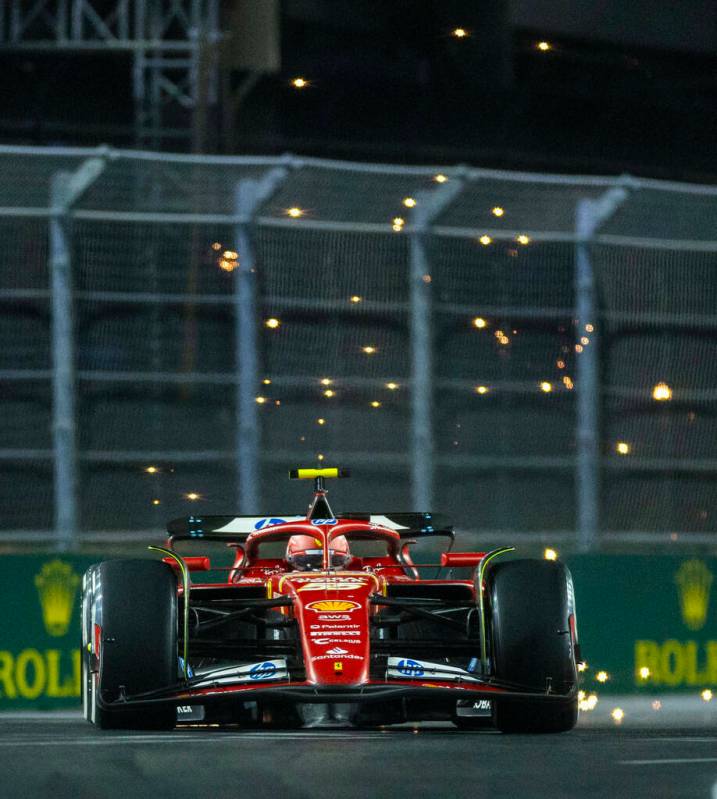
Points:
point(429, 204)
point(249, 195)
point(590, 215)
point(65, 189)
point(63, 365)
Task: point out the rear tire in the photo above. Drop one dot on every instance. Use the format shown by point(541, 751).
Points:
point(132, 604)
point(530, 605)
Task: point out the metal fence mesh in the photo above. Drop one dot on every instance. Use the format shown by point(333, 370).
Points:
point(481, 269)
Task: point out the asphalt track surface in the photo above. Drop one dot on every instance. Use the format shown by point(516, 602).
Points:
point(652, 753)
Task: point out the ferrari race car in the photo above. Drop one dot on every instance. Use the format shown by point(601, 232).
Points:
point(300, 631)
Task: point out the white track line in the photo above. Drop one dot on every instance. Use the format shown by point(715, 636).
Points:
point(668, 761)
point(174, 739)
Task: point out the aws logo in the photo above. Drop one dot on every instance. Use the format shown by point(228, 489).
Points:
point(57, 585)
point(694, 581)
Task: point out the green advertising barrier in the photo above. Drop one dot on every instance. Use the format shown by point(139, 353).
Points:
point(649, 622)
point(40, 639)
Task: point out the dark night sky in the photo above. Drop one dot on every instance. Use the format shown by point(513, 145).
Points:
point(389, 82)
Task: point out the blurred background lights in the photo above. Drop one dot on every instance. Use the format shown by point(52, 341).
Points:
point(440, 178)
point(582, 666)
point(294, 212)
point(156, 502)
point(355, 298)
point(231, 254)
point(585, 341)
point(644, 672)
point(151, 469)
point(391, 386)
point(319, 457)
point(409, 202)
point(602, 676)
point(482, 389)
point(272, 323)
point(485, 240)
point(326, 381)
point(260, 400)
point(299, 83)
point(546, 387)
point(589, 328)
point(661, 392)
point(266, 381)
point(568, 383)
point(706, 695)
point(459, 33)
point(656, 705)
point(622, 448)
point(497, 211)
point(544, 46)
point(321, 421)
point(480, 322)
point(369, 349)
point(578, 348)
point(523, 239)
point(550, 554)
point(329, 392)
point(192, 496)
point(217, 245)
point(375, 404)
point(618, 714)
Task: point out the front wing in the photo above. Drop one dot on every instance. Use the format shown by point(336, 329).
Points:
point(302, 692)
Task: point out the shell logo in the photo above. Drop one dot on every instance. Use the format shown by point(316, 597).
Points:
point(333, 605)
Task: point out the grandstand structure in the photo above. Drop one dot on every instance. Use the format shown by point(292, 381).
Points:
point(534, 354)
point(173, 45)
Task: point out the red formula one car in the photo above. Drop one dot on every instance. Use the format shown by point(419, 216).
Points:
point(315, 634)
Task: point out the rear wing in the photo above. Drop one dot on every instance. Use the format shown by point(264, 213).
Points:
point(238, 528)
point(408, 524)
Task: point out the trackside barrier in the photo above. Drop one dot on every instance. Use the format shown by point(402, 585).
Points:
point(650, 623)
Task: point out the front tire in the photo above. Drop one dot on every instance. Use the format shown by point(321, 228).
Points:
point(129, 614)
point(531, 602)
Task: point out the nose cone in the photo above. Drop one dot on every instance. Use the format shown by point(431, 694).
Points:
point(332, 611)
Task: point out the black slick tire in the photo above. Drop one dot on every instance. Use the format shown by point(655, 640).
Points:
point(530, 605)
point(129, 612)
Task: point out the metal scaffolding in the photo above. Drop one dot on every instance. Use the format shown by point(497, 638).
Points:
point(173, 44)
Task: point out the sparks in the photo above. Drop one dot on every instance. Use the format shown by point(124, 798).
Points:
point(661, 392)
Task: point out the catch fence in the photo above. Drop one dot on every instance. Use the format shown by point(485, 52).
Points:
point(535, 355)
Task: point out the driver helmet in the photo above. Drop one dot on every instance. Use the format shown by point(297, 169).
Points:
point(305, 553)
